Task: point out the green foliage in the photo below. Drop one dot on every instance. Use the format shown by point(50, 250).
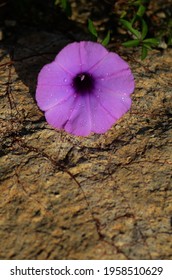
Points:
point(92, 29)
point(131, 43)
point(144, 52)
point(165, 33)
point(137, 27)
point(128, 25)
point(169, 33)
point(106, 40)
point(141, 10)
point(94, 33)
point(65, 5)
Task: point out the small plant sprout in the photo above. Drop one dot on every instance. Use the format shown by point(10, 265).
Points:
point(94, 33)
point(138, 33)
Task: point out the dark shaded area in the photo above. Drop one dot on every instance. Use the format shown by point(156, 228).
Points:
point(83, 83)
point(34, 32)
point(35, 13)
point(45, 15)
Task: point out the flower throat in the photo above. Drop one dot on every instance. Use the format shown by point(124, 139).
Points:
point(83, 83)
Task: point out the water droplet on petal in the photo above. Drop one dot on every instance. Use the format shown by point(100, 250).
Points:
point(65, 80)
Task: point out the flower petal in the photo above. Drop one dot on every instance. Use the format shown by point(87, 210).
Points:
point(79, 122)
point(116, 104)
point(91, 54)
point(69, 58)
point(80, 57)
point(58, 115)
point(122, 82)
point(101, 119)
point(111, 65)
point(52, 74)
point(48, 96)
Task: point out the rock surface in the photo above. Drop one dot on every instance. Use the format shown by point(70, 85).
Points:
point(101, 197)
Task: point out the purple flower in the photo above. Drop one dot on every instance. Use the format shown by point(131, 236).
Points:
point(85, 89)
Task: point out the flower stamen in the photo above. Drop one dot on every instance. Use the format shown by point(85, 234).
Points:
point(83, 83)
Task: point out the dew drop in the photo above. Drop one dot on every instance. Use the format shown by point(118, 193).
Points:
point(65, 80)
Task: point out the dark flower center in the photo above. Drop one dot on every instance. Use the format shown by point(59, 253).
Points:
point(83, 83)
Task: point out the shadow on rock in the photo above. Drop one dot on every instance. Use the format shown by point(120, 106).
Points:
point(32, 52)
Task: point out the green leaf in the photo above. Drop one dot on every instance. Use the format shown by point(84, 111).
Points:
point(144, 53)
point(65, 6)
point(123, 14)
point(147, 46)
point(134, 19)
point(144, 28)
point(140, 2)
point(106, 40)
point(128, 26)
point(169, 43)
point(151, 41)
point(92, 28)
point(141, 10)
point(131, 43)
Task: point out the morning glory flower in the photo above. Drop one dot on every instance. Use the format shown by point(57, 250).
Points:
point(85, 89)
